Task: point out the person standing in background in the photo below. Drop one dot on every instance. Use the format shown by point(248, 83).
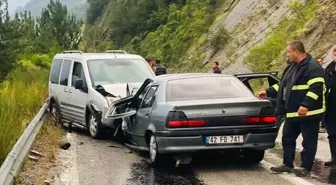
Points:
point(151, 62)
point(322, 128)
point(216, 68)
point(330, 115)
point(320, 60)
point(160, 70)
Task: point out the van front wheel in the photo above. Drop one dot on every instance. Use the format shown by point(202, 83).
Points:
point(94, 127)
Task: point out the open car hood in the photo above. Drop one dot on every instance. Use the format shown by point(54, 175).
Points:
point(121, 89)
point(127, 101)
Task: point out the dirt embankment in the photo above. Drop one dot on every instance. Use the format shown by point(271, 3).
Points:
point(37, 164)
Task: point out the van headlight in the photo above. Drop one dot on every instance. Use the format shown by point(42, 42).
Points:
point(94, 105)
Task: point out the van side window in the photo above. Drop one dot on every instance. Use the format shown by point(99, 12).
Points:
point(77, 73)
point(55, 71)
point(65, 72)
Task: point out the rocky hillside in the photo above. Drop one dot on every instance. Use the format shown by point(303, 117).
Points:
point(243, 36)
point(76, 7)
point(260, 30)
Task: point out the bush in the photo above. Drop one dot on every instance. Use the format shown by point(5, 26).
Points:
point(220, 39)
point(21, 96)
point(185, 25)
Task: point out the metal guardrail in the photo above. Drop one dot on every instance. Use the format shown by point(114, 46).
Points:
point(12, 164)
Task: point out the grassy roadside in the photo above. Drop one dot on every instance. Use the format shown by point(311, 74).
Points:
point(21, 97)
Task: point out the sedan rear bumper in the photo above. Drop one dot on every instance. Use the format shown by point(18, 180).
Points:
point(261, 141)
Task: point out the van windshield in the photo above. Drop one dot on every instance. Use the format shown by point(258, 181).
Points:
point(116, 71)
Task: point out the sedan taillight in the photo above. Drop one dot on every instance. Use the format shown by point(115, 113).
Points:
point(177, 119)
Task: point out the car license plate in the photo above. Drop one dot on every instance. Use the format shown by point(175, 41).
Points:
point(224, 139)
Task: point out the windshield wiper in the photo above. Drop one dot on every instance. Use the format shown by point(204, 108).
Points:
point(102, 91)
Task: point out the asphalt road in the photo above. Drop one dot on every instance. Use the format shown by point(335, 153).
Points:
point(106, 162)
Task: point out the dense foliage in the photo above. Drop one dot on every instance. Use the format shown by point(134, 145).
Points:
point(158, 28)
point(27, 46)
point(23, 36)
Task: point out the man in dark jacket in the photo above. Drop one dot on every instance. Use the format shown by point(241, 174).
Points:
point(160, 70)
point(300, 96)
point(330, 116)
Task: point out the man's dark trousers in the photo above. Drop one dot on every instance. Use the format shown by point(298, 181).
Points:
point(309, 127)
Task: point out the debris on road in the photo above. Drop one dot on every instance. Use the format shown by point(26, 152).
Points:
point(46, 182)
point(36, 153)
point(115, 146)
point(33, 158)
point(64, 144)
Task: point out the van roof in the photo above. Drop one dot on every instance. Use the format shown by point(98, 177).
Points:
point(89, 56)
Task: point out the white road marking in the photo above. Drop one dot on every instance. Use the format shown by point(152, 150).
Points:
point(290, 177)
point(70, 175)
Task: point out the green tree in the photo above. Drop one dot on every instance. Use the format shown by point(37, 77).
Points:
point(23, 33)
point(56, 22)
point(95, 10)
point(7, 57)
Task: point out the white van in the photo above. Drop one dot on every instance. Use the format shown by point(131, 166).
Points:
point(83, 85)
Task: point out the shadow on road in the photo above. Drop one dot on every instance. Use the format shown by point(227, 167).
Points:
point(142, 173)
point(145, 174)
point(319, 171)
point(324, 174)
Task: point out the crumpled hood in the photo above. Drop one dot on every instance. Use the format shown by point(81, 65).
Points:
point(120, 89)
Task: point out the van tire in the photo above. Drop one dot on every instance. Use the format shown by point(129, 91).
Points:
point(94, 127)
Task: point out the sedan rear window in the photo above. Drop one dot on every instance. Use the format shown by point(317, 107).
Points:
point(206, 88)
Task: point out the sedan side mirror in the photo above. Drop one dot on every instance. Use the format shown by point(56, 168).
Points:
point(79, 84)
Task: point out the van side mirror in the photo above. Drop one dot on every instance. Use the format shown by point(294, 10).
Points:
point(79, 84)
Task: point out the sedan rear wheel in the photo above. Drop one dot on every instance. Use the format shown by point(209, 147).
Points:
point(157, 159)
point(253, 156)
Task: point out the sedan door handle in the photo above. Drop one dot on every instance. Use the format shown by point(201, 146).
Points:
point(69, 91)
point(147, 114)
point(65, 90)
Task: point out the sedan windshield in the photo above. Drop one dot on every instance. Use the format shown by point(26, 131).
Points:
point(115, 71)
point(206, 88)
